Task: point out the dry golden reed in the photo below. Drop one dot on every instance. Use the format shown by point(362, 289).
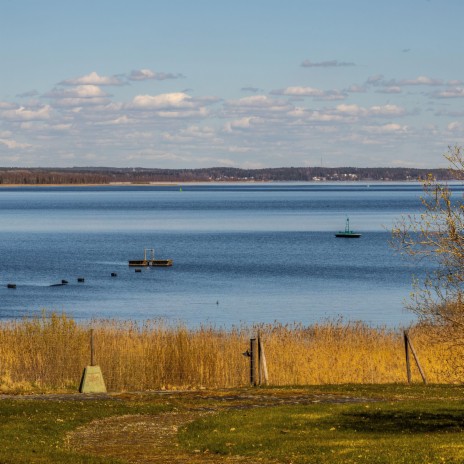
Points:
point(50, 352)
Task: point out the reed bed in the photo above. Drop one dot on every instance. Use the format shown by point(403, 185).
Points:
point(50, 352)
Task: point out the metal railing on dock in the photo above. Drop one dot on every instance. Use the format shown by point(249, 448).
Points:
point(149, 260)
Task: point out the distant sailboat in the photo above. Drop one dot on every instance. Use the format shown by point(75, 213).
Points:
point(348, 233)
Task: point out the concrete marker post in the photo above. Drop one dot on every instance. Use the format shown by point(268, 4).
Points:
point(92, 377)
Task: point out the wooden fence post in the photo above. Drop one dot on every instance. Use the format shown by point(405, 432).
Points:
point(258, 364)
point(413, 351)
point(408, 343)
point(259, 358)
point(253, 361)
point(408, 362)
point(263, 374)
point(92, 349)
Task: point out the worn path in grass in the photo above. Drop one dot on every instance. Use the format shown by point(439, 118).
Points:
point(143, 427)
point(153, 438)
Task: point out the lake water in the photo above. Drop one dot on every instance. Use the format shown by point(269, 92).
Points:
point(242, 253)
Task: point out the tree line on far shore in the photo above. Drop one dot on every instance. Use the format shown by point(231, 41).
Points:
point(105, 175)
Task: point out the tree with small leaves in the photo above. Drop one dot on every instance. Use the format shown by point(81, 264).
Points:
point(436, 236)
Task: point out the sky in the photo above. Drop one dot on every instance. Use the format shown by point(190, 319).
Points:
point(249, 84)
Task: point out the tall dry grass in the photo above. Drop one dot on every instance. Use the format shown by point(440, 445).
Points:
point(50, 352)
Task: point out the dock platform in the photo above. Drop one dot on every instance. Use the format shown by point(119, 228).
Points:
point(150, 261)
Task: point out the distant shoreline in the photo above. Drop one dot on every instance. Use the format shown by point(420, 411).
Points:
point(11, 177)
point(111, 184)
point(229, 182)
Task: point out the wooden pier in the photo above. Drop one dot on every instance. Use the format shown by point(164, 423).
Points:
point(150, 261)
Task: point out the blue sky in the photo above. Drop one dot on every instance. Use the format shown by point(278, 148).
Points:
point(245, 83)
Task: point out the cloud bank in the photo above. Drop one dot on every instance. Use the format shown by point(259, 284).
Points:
point(144, 118)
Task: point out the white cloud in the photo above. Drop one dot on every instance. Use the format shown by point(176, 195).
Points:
point(121, 120)
point(390, 89)
point(31, 93)
point(421, 80)
point(191, 133)
point(60, 127)
point(391, 128)
point(318, 116)
point(194, 113)
point(386, 110)
point(378, 80)
point(298, 91)
point(155, 155)
point(241, 124)
point(326, 64)
point(163, 101)
point(80, 91)
point(256, 101)
point(13, 144)
point(148, 74)
point(351, 110)
point(171, 105)
point(93, 79)
point(250, 89)
point(455, 126)
point(200, 132)
point(239, 149)
point(375, 79)
point(453, 92)
point(79, 102)
point(24, 114)
point(7, 105)
point(356, 89)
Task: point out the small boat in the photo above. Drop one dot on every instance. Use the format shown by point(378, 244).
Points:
point(348, 233)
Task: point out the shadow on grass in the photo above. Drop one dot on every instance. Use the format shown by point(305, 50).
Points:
point(407, 422)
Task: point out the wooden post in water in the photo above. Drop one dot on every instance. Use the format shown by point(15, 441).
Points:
point(406, 349)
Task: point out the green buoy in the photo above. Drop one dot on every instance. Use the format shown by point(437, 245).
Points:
point(348, 233)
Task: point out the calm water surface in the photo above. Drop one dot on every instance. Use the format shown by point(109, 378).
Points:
point(242, 253)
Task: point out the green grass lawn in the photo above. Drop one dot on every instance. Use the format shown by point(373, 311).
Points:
point(34, 431)
point(390, 424)
point(403, 432)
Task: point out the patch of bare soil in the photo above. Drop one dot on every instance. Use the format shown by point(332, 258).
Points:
point(144, 439)
point(149, 439)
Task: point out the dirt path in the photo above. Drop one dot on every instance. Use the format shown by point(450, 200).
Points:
point(144, 439)
point(152, 439)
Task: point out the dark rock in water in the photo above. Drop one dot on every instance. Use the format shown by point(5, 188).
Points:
point(80, 279)
point(64, 282)
point(11, 286)
point(113, 274)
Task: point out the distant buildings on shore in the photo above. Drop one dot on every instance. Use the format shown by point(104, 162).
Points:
point(105, 175)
